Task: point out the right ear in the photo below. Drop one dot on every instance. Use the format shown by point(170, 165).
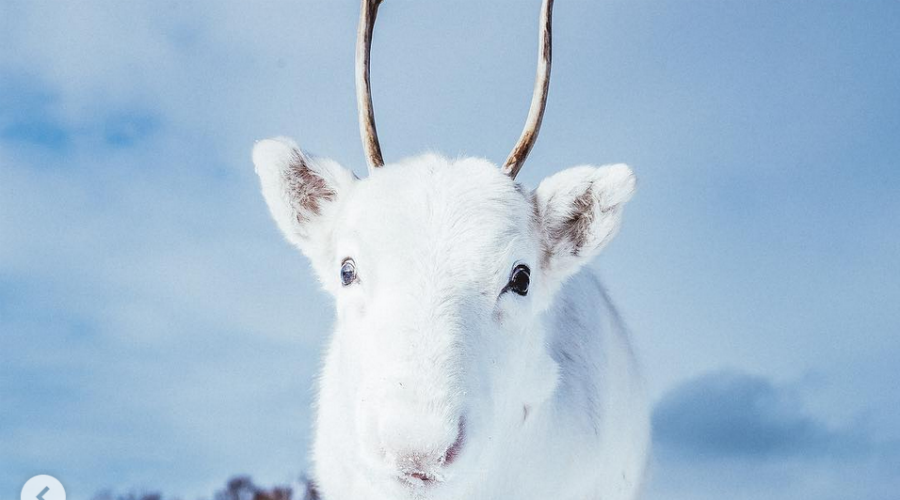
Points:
point(303, 194)
point(580, 209)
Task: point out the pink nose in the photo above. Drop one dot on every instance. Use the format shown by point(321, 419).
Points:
point(424, 463)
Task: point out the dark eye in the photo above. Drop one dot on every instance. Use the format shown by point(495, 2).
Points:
point(348, 272)
point(519, 280)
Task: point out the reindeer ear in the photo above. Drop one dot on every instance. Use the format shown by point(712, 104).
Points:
point(580, 210)
point(303, 193)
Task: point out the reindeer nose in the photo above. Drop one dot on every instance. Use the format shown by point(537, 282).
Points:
point(420, 450)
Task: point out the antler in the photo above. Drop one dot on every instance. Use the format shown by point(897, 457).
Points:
point(538, 99)
point(367, 131)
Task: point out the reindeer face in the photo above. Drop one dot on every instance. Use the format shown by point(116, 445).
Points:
point(430, 267)
point(441, 271)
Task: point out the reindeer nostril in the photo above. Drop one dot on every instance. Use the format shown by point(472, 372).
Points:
point(421, 476)
point(454, 449)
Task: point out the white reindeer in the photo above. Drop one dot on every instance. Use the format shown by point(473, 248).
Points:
point(473, 356)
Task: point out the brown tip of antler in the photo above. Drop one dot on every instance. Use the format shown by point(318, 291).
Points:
point(538, 99)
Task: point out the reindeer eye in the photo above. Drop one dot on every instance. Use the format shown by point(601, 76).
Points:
point(348, 272)
point(519, 280)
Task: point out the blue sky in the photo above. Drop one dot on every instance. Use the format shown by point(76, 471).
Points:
point(156, 332)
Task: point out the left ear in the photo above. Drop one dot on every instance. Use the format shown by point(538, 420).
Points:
point(580, 210)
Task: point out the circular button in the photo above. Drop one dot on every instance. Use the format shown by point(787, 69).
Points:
point(43, 487)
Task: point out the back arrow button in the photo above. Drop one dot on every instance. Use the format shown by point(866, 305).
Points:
point(43, 487)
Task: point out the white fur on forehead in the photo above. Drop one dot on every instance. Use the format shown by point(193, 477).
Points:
point(429, 210)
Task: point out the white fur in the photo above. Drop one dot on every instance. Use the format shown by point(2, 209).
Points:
point(545, 384)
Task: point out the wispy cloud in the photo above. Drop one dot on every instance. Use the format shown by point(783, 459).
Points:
point(27, 114)
point(146, 327)
point(32, 114)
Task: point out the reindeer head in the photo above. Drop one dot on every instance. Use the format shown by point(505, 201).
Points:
point(440, 270)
